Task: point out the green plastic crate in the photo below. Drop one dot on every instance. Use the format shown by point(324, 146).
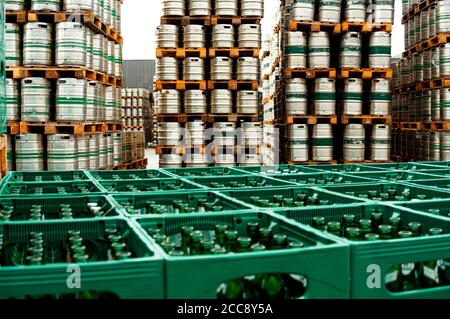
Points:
point(129, 174)
point(440, 164)
point(139, 277)
point(51, 206)
point(244, 196)
point(206, 171)
point(147, 185)
point(342, 168)
point(230, 182)
point(383, 187)
point(384, 253)
point(400, 166)
point(394, 176)
point(442, 184)
point(426, 205)
point(326, 178)
point(438, 172)
point(277, 169)
point(49, 188)
point(64, 176)
point(138, 201)
point(325, 262)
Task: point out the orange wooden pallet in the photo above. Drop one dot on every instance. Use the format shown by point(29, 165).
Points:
point(365, 27)
point(233, 52)
point(437, 83)
point(13, 128)
point(307, 26)
point(183, 118)
point(139, 164)
point(213, 118)
point(160, 150)
point(365, 73)
point(186, 20)
point(310, 73)
point(114, 127)
point(234, 20)
point(181, 53)
point(309, 119)
point(365, 162)
point(3, 155)
point(366, 119)
point(264, 55)
point(312, 163)
point(180, 85)
point(233, 85)
point(411, 126)
point(76, 128)
point(19, 16)
point(436, 126)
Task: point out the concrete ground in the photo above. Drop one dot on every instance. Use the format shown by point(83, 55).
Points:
point(153, 158)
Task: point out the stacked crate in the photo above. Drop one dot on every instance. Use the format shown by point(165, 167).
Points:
point(332, 102)
point(207, 79)
point(421, 85)
point(64, 70)
point(135, 106)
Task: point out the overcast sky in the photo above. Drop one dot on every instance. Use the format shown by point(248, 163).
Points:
point(141, 17)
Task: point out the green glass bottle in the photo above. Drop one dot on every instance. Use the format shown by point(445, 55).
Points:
point(365, 225)
point(231, 240)
point(176, 253)
point(334, 228)
point(430, 269)
point(207, 246)
point(395, 222)
point(377, 219)
point(219, 233)
point(168, 246)
point(258, 247)
point(244, 244)
point(348, 220)
point(273, 287)
point(371, 237)
point(280, 241)
point(253, 231)
point(385, 231)
point(408, 279)
point(265, 237)
point(296, 245)
point(393, 278)
point(318, 222)
point(195, 247)
point(434, 211)
point(186, 233)
point(415, 228)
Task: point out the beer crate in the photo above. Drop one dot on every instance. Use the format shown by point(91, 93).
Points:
point(433, 164)
point(321, 179)
point(343, 168)
point(277, 169)
point(206, 171)
point(53, 176)
point(442, 184)
point(245, 196)
point(323, 261)
point(401, 166)
point(128, 175)
point(141, 276)
point(239, 182)
point(51, 207)
point(165, 185)
point(394, 176)
point(139, 202)
point(33, 189)
point(370, 261)
point(400, 187)
point(425, 206)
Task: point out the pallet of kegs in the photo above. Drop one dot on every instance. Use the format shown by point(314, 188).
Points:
point(135, 107)
point(61, 152)
point(336, 11)
point(193, 8)
point(133, 146)
point(63, 44)
point(108, 11)
point(367, 143)
point(36, 99)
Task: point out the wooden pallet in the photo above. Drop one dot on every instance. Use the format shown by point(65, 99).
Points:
point(114, 127)
point(365, 27)
point(396, 158)
point(416, 9)
point(238, 150)
point(366, 119)
point(186, 20)
point(365, 73)
point(49, 128)
point(307, 26)
point(3, 155)
point(264, 55)
point(19, 16)
point(213, 118)
point(312, 163)
point(183, 118)
point(51, 72)
point(365, 162)
point(234, 52)
point(309, 119)
point(234, 85)
point(181, 85)
point(395, 125)
point(411, 126)
point(86, 17)
point(181, 53)
point(410, 88)
point(310, 73)
point(437, 83)
point(436, 126)
point(139, 164)
point(13, 128)
point(235, 20)
point(160, 150)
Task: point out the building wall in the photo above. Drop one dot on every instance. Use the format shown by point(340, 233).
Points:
point(139, 73)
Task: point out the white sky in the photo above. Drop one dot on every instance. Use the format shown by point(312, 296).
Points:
point(141, 17)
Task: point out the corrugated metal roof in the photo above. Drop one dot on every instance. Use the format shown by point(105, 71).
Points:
point(139, 73)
